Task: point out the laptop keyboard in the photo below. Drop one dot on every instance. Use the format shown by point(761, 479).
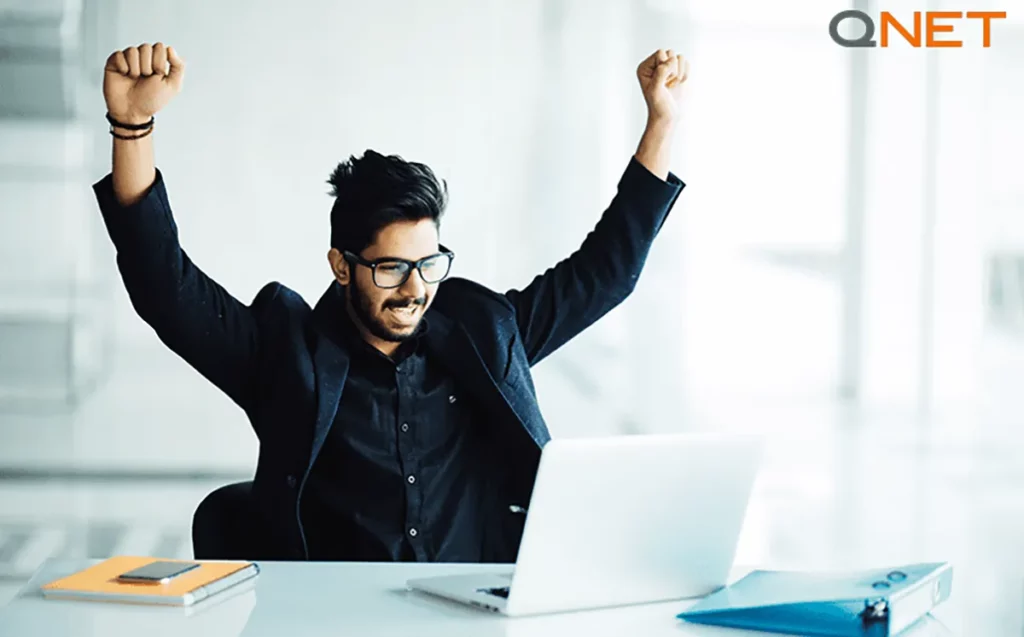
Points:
point(501, 591)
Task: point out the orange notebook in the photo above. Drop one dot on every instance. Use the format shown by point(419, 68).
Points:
point(99, 582)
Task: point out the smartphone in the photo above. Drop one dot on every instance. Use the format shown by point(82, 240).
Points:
point(159, 572)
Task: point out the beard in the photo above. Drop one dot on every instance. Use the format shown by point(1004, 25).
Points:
point(373, 320)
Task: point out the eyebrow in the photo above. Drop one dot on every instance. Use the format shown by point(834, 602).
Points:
point(391, 256)
point(440, 250)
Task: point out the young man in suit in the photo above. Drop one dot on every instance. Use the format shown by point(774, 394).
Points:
point(397, 418)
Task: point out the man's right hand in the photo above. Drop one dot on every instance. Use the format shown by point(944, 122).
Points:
point(141, 80)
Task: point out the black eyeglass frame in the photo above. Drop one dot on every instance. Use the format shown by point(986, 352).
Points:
point(352, 257)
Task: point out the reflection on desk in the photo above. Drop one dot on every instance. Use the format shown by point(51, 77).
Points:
point(294, 599)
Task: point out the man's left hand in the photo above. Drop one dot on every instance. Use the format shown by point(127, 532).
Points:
point(661, 78)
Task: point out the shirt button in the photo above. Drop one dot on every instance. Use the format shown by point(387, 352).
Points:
point(291, 481)
point(412, 479)
point(405, 426)
point(451, 399)
point(413, 532)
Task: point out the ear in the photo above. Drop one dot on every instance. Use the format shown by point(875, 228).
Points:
point(339, 266)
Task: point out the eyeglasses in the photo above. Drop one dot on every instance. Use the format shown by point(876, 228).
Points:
point(390, 272)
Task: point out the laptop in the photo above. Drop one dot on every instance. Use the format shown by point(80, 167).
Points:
point(621, 520)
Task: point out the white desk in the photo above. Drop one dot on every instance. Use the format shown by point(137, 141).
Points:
point(334, 599)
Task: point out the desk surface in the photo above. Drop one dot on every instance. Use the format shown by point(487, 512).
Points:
point(299, 599)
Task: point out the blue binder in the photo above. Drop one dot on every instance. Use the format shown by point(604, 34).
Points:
point(870, 603)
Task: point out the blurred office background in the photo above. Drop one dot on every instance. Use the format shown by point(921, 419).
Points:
point(844, 272)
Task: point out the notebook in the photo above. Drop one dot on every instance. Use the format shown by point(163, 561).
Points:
point(869, 603)
point(99, 582)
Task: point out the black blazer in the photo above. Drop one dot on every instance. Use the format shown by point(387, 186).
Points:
point(273, 360)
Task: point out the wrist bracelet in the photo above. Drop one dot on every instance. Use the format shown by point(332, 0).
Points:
point(130, 137)
point(114, 122)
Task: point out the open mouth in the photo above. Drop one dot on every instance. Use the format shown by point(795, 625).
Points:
point(405, 314)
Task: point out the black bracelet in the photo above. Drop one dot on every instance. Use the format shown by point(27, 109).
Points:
point(130, 137)
point(114, 122)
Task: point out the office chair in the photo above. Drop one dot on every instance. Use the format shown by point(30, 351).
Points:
point(225, 525)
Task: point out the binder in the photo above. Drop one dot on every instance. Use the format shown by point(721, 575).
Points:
point(99, 582)
point(869, 603)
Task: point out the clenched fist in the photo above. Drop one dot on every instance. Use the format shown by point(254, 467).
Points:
point(661, 77)
point(140, 80)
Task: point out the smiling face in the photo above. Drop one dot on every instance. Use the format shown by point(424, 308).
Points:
point(386, 316)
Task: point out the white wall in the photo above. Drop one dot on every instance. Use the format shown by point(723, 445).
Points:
point(530, 110)
point(277, 94)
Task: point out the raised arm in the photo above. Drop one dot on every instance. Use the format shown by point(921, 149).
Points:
point(192, 314)
point(569, 297)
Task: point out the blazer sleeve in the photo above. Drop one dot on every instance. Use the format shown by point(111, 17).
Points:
point(572, 295)
point(190, 312)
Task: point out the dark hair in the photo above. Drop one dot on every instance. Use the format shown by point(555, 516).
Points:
point(374, 191)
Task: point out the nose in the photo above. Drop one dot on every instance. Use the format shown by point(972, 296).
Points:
point(414, 287)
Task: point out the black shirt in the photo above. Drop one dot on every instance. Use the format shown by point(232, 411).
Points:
point(400, 476)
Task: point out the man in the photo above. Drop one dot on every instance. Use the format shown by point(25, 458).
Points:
point(397, 419)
